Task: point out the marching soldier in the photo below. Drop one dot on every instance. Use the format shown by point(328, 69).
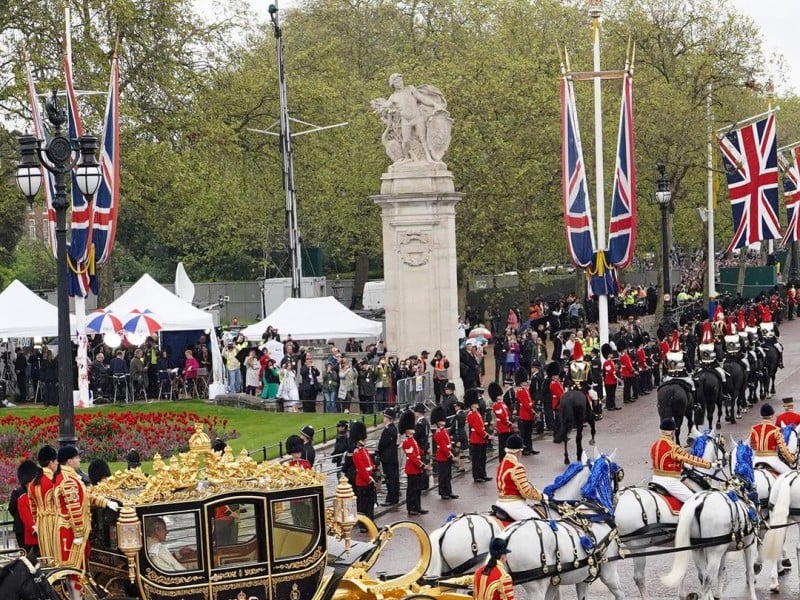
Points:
point(525, 412)
point(628, 372)
point(444, 452)
point(609, 376)
point(556, 389)
point(668, 460)
point(513, 487)
point(768, 445)
point(492, 581)
point(415, 469)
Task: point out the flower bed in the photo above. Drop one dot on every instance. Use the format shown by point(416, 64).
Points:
point(108, 436)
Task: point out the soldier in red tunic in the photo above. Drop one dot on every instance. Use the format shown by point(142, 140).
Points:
point(502, 417)
point(366, 493)
point(628, 373)
point(609, 376)
point(414, 468)
point(768, 445)
point(492, 581)
point(42, 502)
point(477, 436)
point(525, 412)
point(513, 487)
point(788, 416)
point(294, 447)
point(556, 389)
point(668, 460)
point(444, 452)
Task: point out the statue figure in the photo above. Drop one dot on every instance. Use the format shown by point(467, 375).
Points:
point(417, 123)
point(55, 112)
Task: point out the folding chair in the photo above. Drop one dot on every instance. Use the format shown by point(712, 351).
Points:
point(121, 388)
point(202, 381)
point(190, 389)
point(138, 388)
point(165, 385)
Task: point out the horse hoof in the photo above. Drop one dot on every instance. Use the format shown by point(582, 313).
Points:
point(756, 568)
point(591, 442)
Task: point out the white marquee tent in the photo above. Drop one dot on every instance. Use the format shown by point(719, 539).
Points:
point(173, 313)
point(24, 314)
point(315, 319)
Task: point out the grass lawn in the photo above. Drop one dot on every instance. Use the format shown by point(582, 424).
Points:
point(256, 428)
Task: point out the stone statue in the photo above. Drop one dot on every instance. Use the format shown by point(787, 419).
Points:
point(417, 123)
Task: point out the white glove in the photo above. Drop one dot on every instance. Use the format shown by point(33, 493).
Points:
point(77, 541)
point(545, 499)
point(113, 505)
point(35, 530)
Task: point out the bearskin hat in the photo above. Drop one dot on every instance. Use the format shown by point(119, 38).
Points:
point(47, 454)
point(406, 421)
point(98, 470)
point(294, 443)
point(553, 369)
point(767, 410)
point(358, 432)
point(606, 350)
point(26, 472)
point(520, 376)
point(494, 390)
point(438, 414)
point(471, 397)
point(621, 345)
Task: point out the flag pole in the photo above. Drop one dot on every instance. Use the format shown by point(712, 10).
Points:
point(596, 11)
point(712, 271)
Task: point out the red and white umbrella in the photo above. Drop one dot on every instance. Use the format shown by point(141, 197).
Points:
point(103, 321)
point(142, 323)
point(480, 332)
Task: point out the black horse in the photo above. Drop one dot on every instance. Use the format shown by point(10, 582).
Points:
point(675, 399)
point(756, 387)
point(23, 579)
point(771, 361)
point(709, 391)
point(737, 383)
point(573, 412)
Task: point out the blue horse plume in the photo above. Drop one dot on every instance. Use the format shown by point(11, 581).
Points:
point(599, 487)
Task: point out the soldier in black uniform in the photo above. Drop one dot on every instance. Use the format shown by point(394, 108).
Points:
point(307, 433)
point(596, 381)
point(340, 445)
point(386, 457)
point(422, 433)
point(458, 433)
point(537, 385)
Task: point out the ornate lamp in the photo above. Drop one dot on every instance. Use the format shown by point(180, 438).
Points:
point(345, 511)
point(129, 538)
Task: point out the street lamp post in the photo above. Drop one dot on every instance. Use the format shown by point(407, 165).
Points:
point(59, 155)
point(664, 200)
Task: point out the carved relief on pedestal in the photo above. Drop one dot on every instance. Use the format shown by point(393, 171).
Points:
point(414, 247)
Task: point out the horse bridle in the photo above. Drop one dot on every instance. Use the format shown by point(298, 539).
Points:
point(43, 587)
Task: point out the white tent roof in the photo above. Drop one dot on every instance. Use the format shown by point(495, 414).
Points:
point(315, 319)
point(173, 313)
point(25, 314)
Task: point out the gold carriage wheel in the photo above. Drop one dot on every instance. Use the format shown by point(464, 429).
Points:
point(59, 579)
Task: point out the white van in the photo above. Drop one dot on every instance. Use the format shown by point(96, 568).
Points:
point(373, 295)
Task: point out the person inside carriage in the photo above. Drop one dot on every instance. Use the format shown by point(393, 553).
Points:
point(668, 460)
point(513, 487)
point(767, 443)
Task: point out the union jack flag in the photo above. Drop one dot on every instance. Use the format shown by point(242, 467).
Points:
point(40, 132)
point(622, 232)
point(577, 215)
point(106, 204)
point(81, 229)
point(750, 158)
point(791, 194)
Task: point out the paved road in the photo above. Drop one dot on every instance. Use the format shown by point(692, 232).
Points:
point(630, 431)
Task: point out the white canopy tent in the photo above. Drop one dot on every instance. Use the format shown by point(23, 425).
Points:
point(173, 313)
point(315, 319)
point(24, 314)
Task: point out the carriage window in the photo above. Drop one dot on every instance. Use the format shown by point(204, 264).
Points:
point(294, 527)
point(233, 531)
point(171, 542)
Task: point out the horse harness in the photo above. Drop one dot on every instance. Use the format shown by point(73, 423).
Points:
point(580, 523)
point(739, 530)
point(477, 557)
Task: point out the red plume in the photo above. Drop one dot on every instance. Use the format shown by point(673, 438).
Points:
point(730, 328)
point(577, 351)
point(676, 342)
point(718, 312)
point(766, 313)
point(707, 337)
point(751, 318)
point(740, 325)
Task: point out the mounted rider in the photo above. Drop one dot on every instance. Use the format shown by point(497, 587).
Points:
point(768, 330)
point(668, 460)
point(513, 487)
point(708, 352)
point(718, 325)
point(675, 367)
point(788, 416)
point(767, 443)
point(733, 342)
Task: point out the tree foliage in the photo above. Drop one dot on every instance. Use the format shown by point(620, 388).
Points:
point(199, 186)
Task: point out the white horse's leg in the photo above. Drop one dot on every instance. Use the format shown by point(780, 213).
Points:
point(710, 574)
point(719, 585)
point(581, 589)
point(774, 585)
point(639, 577)
point(610, 577)
point(682, 589)
point(537, 590)
point(750, 576)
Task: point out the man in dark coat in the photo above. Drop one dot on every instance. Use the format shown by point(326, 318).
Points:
point(309, 454)
point(386, 455)
point(470, 370)
point(309, 386)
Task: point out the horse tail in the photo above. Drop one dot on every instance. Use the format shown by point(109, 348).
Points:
point(778, 516)
point(682, 539)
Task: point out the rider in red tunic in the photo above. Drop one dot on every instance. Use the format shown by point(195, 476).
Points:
point(768, 445)
point(788, 416)
point(668, 460)
point(492, 581)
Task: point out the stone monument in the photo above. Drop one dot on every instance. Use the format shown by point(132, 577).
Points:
point(418, 202)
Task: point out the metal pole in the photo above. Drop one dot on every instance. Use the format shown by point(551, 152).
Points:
point(665, 265)
point(595, 12)
point(288, 160)
point(711, 258)
point(794, 272)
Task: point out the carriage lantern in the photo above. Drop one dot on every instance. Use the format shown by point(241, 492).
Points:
point(129, 537)
point(345, 511)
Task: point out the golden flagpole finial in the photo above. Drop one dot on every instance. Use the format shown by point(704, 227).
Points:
point(595, 8)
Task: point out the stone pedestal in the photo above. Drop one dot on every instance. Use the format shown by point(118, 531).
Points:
point(418, 202)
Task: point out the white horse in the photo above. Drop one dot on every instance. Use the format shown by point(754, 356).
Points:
point(645, 519)
point(785, 500)
point(713, 522)
point(572, 549)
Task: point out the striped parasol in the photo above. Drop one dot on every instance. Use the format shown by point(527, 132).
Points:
point(103, 321)
point(142, 323)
